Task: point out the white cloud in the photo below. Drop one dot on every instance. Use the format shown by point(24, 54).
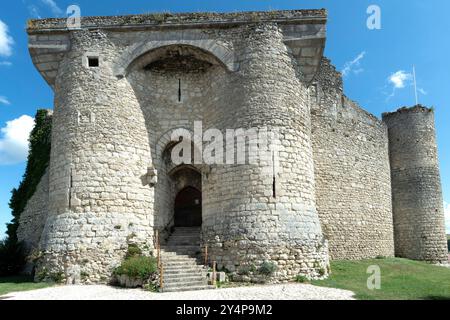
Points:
point(14, 140)
point(5, 63)
point(4, 100)
point(422, 91)
point(34, 11)
point(53, 7)
point(399, 79)
point(447, 216)
point(355, 63)
point(6, 41)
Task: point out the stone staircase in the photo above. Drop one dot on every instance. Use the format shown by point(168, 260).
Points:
point(180, 258)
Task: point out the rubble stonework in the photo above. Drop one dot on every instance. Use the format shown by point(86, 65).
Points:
point(352, 172)
point(419, 223)
point(111, 179)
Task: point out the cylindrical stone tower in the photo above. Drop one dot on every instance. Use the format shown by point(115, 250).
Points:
point(97, 201)
point(254, 216)
point(416, 186)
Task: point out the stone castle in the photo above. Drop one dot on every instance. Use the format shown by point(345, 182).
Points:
point(349, 186)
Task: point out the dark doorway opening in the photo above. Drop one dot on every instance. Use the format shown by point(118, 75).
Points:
point(188, 208)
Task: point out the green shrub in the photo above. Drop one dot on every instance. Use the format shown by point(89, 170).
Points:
point(133, 251)
point(57, 277)
point(247, 269)
point(268, 268)
point(151, 287)
point(322, 272)
point(138, 267)
point(41, 274)
point(38, 159)
point(12, 257)
point(244, 270)
point(301, 278)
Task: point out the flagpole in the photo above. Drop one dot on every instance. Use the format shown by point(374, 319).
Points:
point(415, 84)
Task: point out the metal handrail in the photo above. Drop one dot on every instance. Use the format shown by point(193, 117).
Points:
point(206, 255)
point(160, 266)
point(214, 273)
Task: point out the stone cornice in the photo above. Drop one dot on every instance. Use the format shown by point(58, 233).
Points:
point(182, 20)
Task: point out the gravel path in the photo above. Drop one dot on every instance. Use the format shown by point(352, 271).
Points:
point(102, 292)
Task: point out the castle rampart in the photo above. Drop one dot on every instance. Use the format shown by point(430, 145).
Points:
point(123, 85)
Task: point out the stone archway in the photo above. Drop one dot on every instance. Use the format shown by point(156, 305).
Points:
point(187, 203)
point(188, 208)
point(223, 55)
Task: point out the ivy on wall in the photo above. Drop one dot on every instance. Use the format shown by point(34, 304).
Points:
point(38, 159)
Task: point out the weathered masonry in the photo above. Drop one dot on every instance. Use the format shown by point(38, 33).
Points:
point(123, 84)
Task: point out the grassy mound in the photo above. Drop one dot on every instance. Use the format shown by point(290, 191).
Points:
point(401, 279)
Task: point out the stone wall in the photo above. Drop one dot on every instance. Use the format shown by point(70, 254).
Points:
point(351, 162)
point(111, 128)
point(416, 186)
point(32, 219)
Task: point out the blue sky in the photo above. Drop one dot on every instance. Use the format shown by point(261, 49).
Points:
point(377, 63)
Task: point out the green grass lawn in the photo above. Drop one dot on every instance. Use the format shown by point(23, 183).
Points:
point(401, 279)
point(19, 283)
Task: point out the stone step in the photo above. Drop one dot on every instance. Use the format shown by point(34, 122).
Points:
point(179, 262)
point(174, 248)
point(173, 265)
point(186, 266)
point(178, 289)
point(181, 268)
point(176, 254)
point(178, 258)
point(186, 271)
point(192, 254)
point(193, 232)
point(183, 249)
point(187, 283)
point(185, 275)
point(183, 241)
point(171, 254)
point(188, 279)
point(180, 243)
point(185, 234)
point(190, 241)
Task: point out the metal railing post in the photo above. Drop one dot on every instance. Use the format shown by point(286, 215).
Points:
point(214, 273)
point(159, 262)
